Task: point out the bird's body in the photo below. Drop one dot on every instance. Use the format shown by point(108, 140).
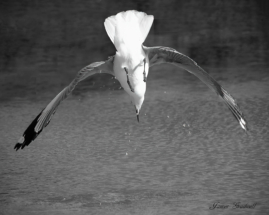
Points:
point(127, 31)
point(135, 74)
point(130, 65)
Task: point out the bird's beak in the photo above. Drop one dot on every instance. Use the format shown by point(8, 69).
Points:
point(137, 104)
point(137, 114)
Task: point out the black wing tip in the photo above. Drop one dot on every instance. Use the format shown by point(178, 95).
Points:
point(18, 146)
point(29, 135)
point(27, 139)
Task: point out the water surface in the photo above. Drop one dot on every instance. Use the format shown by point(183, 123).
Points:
point(187, 152)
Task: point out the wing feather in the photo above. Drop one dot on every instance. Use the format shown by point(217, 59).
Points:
point(44, 117)
point(160, 54)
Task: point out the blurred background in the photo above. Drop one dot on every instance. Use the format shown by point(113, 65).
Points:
point(50, 41)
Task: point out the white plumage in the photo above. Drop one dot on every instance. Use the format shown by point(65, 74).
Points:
point(128, 29)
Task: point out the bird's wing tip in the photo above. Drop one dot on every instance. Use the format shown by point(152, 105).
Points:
point(243, 124)
point(29, 134)
point(18, 146)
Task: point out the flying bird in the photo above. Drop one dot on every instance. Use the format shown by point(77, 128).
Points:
point(130, 65)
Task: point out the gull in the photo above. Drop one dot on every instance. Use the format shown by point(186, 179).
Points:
point(130, 65)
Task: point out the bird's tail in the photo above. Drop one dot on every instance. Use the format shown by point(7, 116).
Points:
point(128, 29)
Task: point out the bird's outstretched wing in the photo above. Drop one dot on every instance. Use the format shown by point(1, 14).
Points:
point(44, 117)
point(160, 54)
